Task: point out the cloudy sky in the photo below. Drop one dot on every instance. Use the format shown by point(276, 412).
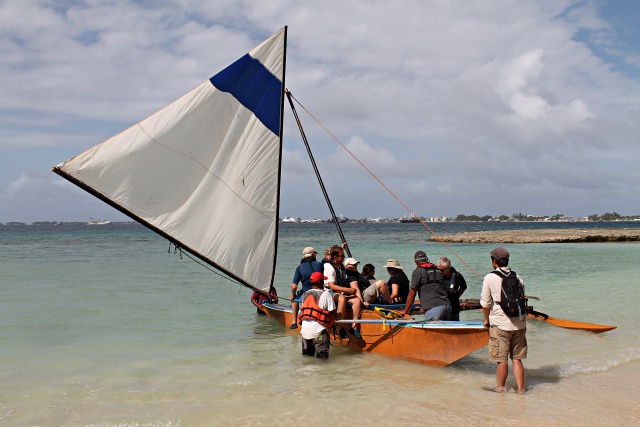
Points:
point(462, 106)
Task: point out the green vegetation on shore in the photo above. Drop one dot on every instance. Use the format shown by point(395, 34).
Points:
point(607, 216)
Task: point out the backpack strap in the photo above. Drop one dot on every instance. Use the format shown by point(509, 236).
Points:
point(499, 273)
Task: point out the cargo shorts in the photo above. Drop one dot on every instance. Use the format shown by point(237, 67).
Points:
point(507, 344)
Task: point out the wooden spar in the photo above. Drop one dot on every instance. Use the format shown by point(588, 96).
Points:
point(473, 304)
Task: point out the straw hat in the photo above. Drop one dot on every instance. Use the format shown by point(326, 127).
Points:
point(393, 263)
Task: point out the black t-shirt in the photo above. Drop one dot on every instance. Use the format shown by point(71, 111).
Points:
point(356, 276)
point(399, 278)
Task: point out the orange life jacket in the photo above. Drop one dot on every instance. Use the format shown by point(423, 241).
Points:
point(312, 311)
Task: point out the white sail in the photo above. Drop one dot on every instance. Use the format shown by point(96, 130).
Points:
point(205, 170)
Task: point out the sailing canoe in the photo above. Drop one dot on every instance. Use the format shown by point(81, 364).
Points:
point(432, 343)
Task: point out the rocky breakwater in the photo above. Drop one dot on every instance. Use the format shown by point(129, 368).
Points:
point(575, 235)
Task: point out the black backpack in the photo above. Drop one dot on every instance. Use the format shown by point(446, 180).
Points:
point(512, 301)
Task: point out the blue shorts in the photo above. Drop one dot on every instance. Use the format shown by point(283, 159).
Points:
point(299, 294)
point(441, 312)
point(298, 297)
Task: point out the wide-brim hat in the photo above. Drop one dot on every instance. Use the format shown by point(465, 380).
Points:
point(393, 263)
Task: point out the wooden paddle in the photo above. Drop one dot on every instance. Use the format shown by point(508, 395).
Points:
point(472, 304)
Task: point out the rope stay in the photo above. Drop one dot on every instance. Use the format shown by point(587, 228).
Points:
point(424, 224)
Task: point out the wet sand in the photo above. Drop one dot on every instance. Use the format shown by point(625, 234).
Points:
point(575, 235)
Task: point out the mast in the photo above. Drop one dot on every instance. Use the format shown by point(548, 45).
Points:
point(315, 168)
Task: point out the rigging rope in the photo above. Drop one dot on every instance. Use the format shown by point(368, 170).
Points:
point(188, 255)
point(385, 187)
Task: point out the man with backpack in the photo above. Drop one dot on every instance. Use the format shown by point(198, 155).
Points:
point(504, 305)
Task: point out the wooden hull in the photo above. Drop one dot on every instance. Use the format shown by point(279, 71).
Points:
point(438, 344)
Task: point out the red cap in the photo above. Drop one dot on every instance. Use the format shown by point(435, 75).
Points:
point(317, 277)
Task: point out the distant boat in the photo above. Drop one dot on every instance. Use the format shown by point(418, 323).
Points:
point(204, 172)
point(98, 222)
point(341, 220)
point(404, 219)
point(290, 219)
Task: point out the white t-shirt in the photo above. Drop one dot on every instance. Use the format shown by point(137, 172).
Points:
point(310, 328)
point(329, 273)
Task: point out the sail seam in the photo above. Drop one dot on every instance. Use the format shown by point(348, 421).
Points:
point(205, 168)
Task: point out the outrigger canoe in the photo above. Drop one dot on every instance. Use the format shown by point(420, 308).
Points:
point(435, 343)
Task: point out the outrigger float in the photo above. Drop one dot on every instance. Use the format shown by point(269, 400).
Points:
point(474, 304)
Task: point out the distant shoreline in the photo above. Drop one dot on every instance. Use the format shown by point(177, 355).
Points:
point(575, 235)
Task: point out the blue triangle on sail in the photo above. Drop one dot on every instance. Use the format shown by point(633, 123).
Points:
point(255, 88)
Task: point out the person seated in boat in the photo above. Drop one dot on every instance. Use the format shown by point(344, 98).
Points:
point(426, 281)
point(454, 283)
point(327, 256)
point(308, 265)
point(342, 291)
point(316, 316)
point(398, 283)
point(371, 291)
point(369, 272)
point(257, 298)
point(327, 252)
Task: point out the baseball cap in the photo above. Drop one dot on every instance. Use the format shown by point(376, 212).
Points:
point(308, 251)
point(317, 277)
point(420, 256)
point(499, 253)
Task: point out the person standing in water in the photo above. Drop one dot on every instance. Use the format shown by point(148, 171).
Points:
point(308, 266)
point(507, 335)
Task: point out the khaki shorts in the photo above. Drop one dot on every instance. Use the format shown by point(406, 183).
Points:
point(505, 344)
point(371, 294)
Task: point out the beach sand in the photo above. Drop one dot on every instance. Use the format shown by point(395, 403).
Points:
point(574, 235)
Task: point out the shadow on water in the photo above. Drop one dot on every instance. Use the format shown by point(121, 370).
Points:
point(549, 374)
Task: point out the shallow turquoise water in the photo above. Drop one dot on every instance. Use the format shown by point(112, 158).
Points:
point(104, 326)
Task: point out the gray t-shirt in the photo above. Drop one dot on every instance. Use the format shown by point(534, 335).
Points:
point(429, 284)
